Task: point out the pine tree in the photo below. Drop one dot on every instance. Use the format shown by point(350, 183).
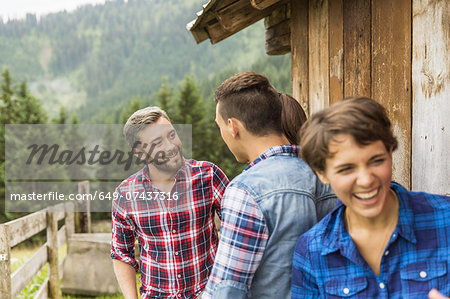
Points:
point(62, 116)
point(135, 105)
point(190, 109)
point(164, 97)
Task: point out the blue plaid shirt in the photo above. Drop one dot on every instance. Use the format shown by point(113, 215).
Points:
point(327, 263)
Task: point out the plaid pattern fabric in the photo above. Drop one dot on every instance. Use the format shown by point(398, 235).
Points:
point(327, 263)
point(244, 233)
point(177, 238)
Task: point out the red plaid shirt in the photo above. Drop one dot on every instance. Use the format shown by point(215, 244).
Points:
point(177, 238)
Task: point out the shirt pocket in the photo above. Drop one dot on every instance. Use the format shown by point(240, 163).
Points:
point(419, 278)
point(345, 288)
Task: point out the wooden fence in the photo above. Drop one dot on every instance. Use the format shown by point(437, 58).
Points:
point(14, 232)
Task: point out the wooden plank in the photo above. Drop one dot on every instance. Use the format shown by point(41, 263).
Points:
point(263, 4)
point(279, 15)
point(299, 52)
point(319, 92)
point(84, 208)
point(52, 241)
point(241, 14)
point(278, 45)
point(336, 48)
point(42, 293)
point(22, 276)
point(62, 236)
point(391, 75)
point(61, 268)
point(5, 263)
point(278, 39)
point(431, 88)
point(26, 227)
point(357, 81)
point(70, 220)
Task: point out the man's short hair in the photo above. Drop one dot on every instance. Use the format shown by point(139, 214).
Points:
point(139, 120)
point(250, 98)
point(362, 118)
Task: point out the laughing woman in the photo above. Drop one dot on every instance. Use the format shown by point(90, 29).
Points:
point(381, 240)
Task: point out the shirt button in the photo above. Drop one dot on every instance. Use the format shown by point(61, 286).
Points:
point(176, 253)
point(394, 235)
point(179, 295)
point(387, 252)
point(174, 231)
point(423, 274)
point(346, 291)
point(179, 275)
point(382, 286)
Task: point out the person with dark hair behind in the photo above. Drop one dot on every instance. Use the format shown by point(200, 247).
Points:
point(381, 240)
point(275, 199)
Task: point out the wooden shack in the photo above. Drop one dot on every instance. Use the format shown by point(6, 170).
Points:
point(396, 52)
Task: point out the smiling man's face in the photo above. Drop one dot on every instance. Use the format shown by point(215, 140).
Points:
point(161, 146)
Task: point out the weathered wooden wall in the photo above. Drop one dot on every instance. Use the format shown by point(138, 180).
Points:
point(431, 96)
point(356, 48)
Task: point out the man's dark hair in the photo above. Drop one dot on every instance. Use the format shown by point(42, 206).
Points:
point(250, 98)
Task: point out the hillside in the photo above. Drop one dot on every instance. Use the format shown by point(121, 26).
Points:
point(103, 55)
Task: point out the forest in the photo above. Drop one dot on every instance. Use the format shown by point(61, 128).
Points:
point(99, 64)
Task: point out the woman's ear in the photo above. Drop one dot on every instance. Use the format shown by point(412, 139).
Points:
point(322, 177)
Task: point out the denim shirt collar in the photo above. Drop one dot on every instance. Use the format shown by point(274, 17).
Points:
point(278, 150)
point(338, 238)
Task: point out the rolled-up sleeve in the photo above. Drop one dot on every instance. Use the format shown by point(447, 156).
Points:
point(123, 234)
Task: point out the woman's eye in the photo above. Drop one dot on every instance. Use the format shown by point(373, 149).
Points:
point(378, 161)
point(344, 170)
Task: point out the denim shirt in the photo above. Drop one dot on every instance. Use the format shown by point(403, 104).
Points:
point(291, 199)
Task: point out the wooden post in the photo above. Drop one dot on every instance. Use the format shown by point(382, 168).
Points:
point(70, 220)
point(357, 50)
point(5, 263)
point(391, 75)
point(83, 216)
point(318, 56)
point(299, 52)
point(431, 87)
point(54, 290)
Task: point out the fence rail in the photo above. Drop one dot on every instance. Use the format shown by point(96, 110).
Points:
point(21, 229)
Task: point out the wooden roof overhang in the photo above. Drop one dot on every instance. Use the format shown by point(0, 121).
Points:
point(220, 19)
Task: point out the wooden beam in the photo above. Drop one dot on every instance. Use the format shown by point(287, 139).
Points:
point(22, 276)
point(391, 75)
point(357, 52)
point(52, 241)
point(299, 52)
point(235, 17)
point(278, 38)
point(5, 263)
point(263, 4)
point(336, 49)
point(319, 92)
point(431, 87)
point(278, 15)
point(25, 227)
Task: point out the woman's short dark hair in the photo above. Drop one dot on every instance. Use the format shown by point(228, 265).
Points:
point(364, 119)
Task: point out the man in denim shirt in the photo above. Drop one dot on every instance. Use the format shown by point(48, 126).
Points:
point(276, 198)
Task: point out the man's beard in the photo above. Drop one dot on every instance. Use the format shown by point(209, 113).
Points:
point(168, 164)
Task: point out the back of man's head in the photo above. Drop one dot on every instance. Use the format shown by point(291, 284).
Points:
point(250, 98)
